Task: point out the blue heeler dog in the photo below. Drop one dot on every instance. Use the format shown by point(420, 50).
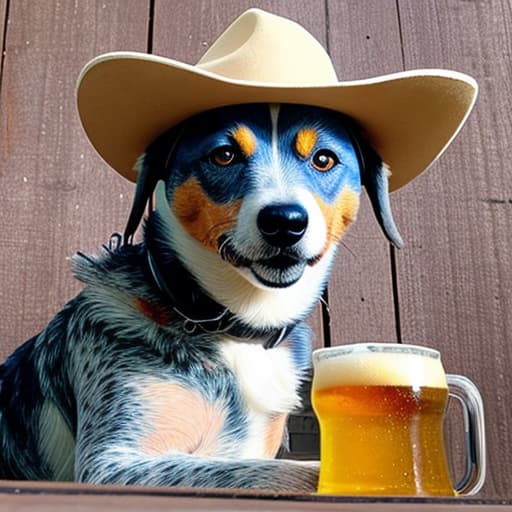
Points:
point(181, 358)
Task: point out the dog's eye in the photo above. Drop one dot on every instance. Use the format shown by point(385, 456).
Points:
point(324, 160)
point(224, 156)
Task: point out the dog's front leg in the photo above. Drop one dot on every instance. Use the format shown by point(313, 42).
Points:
point(127, 467)
point(166, 428)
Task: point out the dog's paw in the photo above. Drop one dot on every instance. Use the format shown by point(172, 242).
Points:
point(300, 476)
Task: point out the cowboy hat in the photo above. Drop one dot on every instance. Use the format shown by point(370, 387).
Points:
point(126, 99)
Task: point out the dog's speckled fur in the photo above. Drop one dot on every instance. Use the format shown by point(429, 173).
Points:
point(120, 387)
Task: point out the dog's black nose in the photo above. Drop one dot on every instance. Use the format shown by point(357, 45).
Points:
point(282, 225)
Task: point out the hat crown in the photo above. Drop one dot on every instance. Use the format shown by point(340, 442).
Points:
point(262, 47)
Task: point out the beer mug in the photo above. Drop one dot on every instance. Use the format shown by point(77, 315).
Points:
point(381, 409)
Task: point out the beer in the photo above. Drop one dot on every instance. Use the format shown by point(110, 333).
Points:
point(381, 420)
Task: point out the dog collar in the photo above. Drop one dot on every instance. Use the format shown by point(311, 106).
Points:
point(217, 318)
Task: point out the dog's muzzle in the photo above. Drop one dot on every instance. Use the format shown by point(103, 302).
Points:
point(280, 262)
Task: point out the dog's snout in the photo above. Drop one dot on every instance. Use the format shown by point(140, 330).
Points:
point(282, 225)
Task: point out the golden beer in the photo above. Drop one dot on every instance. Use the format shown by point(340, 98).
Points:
point(381, 421)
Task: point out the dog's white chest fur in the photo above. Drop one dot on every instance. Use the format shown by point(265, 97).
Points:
point(268, 383)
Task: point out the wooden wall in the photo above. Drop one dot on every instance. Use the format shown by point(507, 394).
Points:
point(450, 287)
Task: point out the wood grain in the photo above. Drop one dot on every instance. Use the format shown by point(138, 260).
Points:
point(163, 504)
point(454, 274)
point(57, 195)
point(63, 496)
point(364, 41)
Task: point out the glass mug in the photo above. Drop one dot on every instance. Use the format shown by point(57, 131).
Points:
point(381, 410)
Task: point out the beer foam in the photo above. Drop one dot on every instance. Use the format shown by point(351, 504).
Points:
point(378, 364)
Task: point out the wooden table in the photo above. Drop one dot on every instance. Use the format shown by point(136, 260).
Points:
point(56, 497)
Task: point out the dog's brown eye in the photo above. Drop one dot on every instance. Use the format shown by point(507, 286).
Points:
point(324, 160)
point(223, 156)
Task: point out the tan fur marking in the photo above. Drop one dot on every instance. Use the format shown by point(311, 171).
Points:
point(274, 435)
point(179, 419)
point(245, 140)
point(305, 141)
point(157, 313)
point(339, 215)
point(202, 218)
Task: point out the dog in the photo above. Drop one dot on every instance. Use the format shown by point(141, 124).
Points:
point(179, 362)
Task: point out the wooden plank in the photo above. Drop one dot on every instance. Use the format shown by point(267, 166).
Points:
point(22, 503)
point(194, 29)
point(454, 275)
point(57, 195)
point(63, 496)
point(364, 41)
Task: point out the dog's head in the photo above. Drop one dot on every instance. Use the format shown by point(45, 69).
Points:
point(262, 194)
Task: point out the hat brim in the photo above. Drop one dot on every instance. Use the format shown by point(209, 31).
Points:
point(126, 99)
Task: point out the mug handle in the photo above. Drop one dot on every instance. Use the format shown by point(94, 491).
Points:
point(467, 394)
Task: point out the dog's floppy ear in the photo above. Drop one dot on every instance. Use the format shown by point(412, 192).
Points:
point(374, 176)
point(151, 167)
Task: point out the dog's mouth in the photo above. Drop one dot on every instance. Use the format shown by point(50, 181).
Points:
point(278, 270)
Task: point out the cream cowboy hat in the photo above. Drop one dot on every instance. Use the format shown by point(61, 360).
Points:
point(126, 99)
